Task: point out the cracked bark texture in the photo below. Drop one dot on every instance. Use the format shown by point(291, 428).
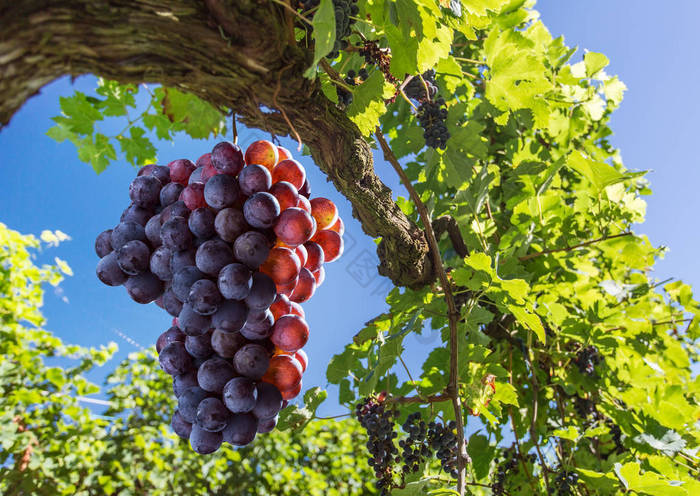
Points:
point(235, 54)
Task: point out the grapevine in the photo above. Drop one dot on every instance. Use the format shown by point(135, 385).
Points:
point(344, 10)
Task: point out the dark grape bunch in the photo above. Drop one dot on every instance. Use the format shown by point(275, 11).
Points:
point(416, 90)
point(563, 483)
point(443, 439)
point(378, 421)
point(230, 247)
point(586, 360)
point(503, 471)
point(379, 57)
point(425, 440)
point(344, 11)
point(432, 114)
point(344, 96)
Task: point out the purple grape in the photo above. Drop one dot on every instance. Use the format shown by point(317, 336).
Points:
point(251, 248)
point(227, 158)
point(226, 344)
point(262, 292)
point(240, 395)
point(172, 334)
point(170, 193)
point(254, 178)
point(196, 176)
point(204, 297)
point(231, 316)
point(212, 256)
point(180, 426)
point(188, 402)
point(230, 224)
point(221, 191)
point(269, 401)
point(183, 280)
point(199, 346)
point(144, 288)
point(201, 223)
point(267, 425)
point(181, 259)
point(171, 304)
point(177, 209)
point(103, 243)
point(184, 381)
point(133, 257)
point(160, 263)
point(191, 323)
point(235, 281)
point(204, 442)
point(261, 210)
point(153, 231)
point(214, 374)
point(251, 361)
point(241, 429)
point(258, 325)
point(175, 234)
point(125, 232)
point(144, 191)
point(174, 359)
point(108, 270)
point(134, 213)
point(162, 173)
point(212, 415)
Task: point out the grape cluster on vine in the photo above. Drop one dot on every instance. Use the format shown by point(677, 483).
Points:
point(374, 55)
point(344, 96)
point(503, 470)
point(345, 11)
point(424, 440)
point(378, 421)
point(443, 439)
point(586, 360)
point(432, 113)
point(563, 484)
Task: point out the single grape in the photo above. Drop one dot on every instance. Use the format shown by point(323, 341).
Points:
point(212, 256)
point(184, 381)
point(108, 270)
point(302, 254)
point(282, 265)
point(261, 210)
point(290, 333)
point(315, 257)
point(338, 227)
point(201, 223)
point(203, 160)
point(259, 325)
point(287, 289)
point(227, 158)
point(226, 344)
point(196, 176)
point(300, 355)
point(205, 297)
point(262, 292)
point(152, 230)
point(175, 234)
point(284, 372)
point(291, 393)
point(269, 401)
point(305, 190)
point(286, 195)
point(133, 257)
point(229, 224)
point(251, 248)
point(241, 429)
point(103, 243)
point(183, 280)
point(324, 211)
point(214, 374)
point(221, 191)
point(191, 323)
point(231, 316)
point(212, 415)
point(305, 287)
point(181, 259)
point(144, 288)
point(280, 306)
point(193, 196)
point(251, 361)
point(170, 303)
point(144, 191)
point(320, 276)
point(172, 334)
point(267, 425)
point(188, 402)
point(204, 442)
point(331, 243)
point(199, 346)
point(297, 309)
point(160, 172)
point(180, 426)
point(177, 209)
point(283, 154)
point(240, 395)
point(180, 170)
point(174, 359)
point(160, 263)
point(170, 193)
point(291, 171)
point(134, 213)
point(235, 281)
point(125, 232)
point(295, 226)
point(304, 203)
point(262, 152)
point(254, 178)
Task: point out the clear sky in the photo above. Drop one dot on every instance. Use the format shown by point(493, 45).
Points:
point(45, 186)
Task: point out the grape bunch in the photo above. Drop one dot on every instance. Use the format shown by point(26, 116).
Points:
point(378, 421)
point(375, 55)
point(345, 10)
point(586, 360)
point(563, 483)
point(432, 113)
point(425, 439)
point(230, 247)
point(503, 470)
point(345, 96)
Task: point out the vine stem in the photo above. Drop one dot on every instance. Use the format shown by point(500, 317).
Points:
point(570, 248)
point(452, 389)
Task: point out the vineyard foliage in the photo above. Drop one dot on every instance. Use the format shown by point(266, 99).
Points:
point(572, 356)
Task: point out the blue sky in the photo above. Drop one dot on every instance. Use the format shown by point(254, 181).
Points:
point(45, 186)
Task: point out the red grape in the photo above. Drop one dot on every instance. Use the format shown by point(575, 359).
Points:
point(294, 227)
point(304, 203)
point(227, 158)
point(290, 333)
point(324, 211)
point(193, 196)
point(302, 254)
point(284, 154)
point(331, 243)
point(290, 171)
point(303, 359)
point(284, 372)
point(286, 194)
point(338, 227)
point(287, 289)
point(180, 170)
point(297, 309)
point(315, 257)
point(262, 152)
point(291, 393)
point(282, 265)
point(305, 286)
point(320, 276)
point(280, 306)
